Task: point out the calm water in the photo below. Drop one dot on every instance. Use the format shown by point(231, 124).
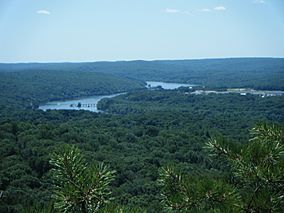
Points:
point(164, 85)
point(88, 103)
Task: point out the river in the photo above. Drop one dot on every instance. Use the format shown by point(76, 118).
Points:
point(87, 103)
point(90, 103)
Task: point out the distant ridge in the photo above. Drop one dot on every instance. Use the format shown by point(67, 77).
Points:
point(137, 60)
point(259, 73)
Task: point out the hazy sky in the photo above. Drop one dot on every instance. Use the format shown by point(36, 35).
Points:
point(94, 30)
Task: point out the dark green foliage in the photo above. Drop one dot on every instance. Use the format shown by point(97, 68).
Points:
point(30, 88)
point(111, 208)
point(197, 193)
point(77, 186)
point(257, 169)
point(227, 113)
point(259, 73)
point(135, 145)
point(142, 132)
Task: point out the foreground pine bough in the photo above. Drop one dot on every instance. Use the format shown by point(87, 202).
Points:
point(77, 186)
point(254, 183)
point(252, 179)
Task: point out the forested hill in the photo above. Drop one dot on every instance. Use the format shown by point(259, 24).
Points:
point(258, 73)
point(29, 88)
point(142, 132)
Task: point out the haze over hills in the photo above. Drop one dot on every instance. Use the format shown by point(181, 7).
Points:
point(259, 73)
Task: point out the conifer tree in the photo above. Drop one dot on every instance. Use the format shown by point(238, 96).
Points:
point(77, 186)
point(256, 182)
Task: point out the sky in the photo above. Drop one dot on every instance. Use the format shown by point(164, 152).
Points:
point(110, 30)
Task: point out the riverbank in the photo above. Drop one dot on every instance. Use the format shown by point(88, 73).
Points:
point(90, 103)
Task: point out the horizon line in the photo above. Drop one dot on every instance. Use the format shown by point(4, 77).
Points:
point(143, 60)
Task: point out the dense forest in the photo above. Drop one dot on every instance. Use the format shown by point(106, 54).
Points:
point(258, 73)
point(149, 140)
point(28, 89)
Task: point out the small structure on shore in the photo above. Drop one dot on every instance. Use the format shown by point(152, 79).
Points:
point(79, 105)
